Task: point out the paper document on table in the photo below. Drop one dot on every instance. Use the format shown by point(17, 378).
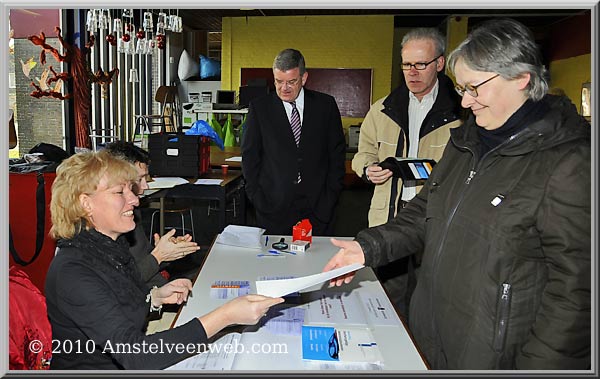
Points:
point(234, 159)
point(378, 308)
point(287, 321)
point(339, 344)
point(219, 356)
point(242, 236)
point(278, 288)
point(166, 182)
point(209, 182)
point(332, 307)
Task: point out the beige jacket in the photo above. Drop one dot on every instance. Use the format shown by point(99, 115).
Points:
point(379, 135)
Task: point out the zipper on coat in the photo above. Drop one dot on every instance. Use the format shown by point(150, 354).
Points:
point(445, 235)
point(502, 317)
point(471, 175)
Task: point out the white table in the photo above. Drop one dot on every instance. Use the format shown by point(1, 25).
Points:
point(236, 263)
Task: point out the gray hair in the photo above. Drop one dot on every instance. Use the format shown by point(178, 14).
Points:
point(505, 47)
point(427, 33)
point(289, 59)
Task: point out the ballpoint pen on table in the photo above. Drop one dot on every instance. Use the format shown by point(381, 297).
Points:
point(281, 251)
point(267, 241)
point(271, 255)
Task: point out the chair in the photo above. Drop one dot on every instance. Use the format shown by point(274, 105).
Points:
point(30, 336)
point(181, 211)
point(212, 206)
point(167, 120)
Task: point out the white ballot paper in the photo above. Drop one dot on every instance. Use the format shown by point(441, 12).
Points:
point(242, 236)
point(166, 182)
point(282, 287)
point(209, 182)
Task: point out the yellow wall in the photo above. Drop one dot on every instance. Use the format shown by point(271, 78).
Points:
point(569, 74)
point(325, 42)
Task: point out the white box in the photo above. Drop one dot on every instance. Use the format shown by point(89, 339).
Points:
point(299, 246)
point(353, 134)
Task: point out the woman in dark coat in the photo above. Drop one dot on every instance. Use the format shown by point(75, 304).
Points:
point(504, 221)
point(97, 301)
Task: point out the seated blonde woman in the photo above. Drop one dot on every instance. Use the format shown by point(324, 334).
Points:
point(97, 301)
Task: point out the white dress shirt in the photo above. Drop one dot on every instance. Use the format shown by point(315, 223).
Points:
point(417, 110)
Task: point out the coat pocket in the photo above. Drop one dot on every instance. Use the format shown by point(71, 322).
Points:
point(502, 316)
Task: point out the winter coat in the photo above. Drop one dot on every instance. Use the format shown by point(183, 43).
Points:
point(98, 310)
point(505, 276)
point(386, 125)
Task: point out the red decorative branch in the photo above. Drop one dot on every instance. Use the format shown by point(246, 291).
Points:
point(82, 76)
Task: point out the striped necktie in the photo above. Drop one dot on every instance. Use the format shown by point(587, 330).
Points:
point(295, 123)
point(296, 127)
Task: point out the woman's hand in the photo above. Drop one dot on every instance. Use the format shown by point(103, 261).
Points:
point(174, 292)
point(243, 310)
point(350, 252)
point(169, 248)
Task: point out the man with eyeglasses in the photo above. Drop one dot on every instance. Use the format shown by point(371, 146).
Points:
point(412, 121)
point(293, 152)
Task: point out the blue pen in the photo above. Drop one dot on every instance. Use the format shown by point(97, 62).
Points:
point(271, 255)
point(267, 241)
point(281, 251)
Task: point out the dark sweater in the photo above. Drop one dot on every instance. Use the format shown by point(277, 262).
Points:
point(140, 249)
point(96, 300)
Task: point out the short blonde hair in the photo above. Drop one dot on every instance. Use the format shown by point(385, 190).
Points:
point(79, 174)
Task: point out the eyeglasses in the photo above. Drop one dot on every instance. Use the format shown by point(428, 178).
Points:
point(289, 83)
point(472, 89)
point(334, 346)
point(419, 65)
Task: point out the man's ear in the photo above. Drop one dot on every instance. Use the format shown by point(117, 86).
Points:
point(304, 78)
point(440, 63)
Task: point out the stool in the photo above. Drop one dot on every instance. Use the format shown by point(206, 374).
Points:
point(216, 208)
point(181, 212)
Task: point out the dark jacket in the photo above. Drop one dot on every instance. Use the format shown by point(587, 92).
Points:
point(96, 301)
point(505, 277)
point(140, 249)
point(271, 161)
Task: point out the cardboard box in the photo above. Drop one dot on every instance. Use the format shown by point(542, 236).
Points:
point(302, 231)
point(178, 155)
point(353, 134)
point(299, 246)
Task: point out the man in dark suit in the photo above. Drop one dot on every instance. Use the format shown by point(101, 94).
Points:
point(293, 152)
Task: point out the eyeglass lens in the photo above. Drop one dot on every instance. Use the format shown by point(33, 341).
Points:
point(472, 89)
point(419, 65)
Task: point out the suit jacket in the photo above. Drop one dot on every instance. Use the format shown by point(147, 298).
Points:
point(271, 161)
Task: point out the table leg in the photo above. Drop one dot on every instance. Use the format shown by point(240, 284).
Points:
point(222, 210)
point(243, 205)
point(162, 216)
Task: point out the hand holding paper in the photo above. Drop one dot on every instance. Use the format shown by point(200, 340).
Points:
point(282, 287)
point(350, 252)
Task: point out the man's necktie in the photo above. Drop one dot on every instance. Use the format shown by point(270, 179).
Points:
point(295, 123)
point(296, 127)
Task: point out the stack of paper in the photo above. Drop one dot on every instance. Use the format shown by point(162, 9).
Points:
point(242, 236)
